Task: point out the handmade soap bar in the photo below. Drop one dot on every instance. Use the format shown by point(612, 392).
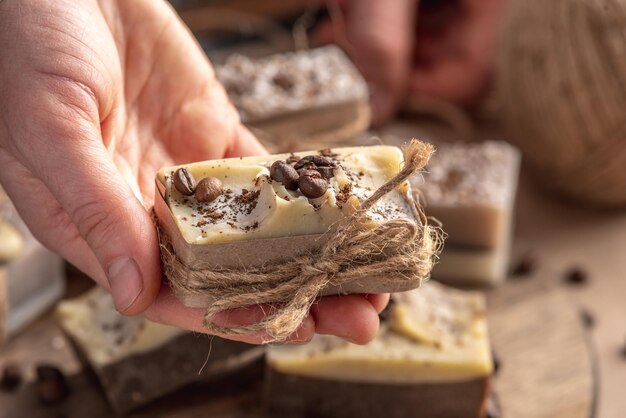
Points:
point(138, 361)
point(256, 219)
point(470, 188)
point(432, 356)
point(289, 228)
point(298, 97)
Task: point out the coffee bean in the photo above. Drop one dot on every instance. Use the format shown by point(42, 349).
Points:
point(576, 276)
point(311, 184)
point(306, 167)
point(11, 377)
point(526, 265)
point(317, 160)
point(51, 384)
point(285, 174)
point(623, 351)
point(184, 182)
point(208, 189)
point(326, 172)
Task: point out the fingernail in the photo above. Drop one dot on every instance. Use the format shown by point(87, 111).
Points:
point(125, 281)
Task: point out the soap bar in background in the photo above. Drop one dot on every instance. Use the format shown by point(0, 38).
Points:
point(432, 356)
point(31, 277)
point(138, 361)
point(308, 97)
point(470, 188)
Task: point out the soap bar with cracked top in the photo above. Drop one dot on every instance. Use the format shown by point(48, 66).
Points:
point(470, 188)
point(298, 97)
point(256, 220)
point(433, 346)
point(138, 361)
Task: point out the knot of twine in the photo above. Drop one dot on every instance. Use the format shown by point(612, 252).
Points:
point(397, 251)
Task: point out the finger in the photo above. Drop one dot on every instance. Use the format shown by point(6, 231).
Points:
point(64, 149)
point(378, 300)
point(381, 37)
point(167, 309)
point(350, 317)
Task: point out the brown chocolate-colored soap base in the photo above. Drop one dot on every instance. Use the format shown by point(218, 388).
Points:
point(142, 378)
point(298, 396)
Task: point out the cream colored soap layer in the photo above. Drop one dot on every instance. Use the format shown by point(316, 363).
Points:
point(274, 211)
point(395, 355)
point(107, 336)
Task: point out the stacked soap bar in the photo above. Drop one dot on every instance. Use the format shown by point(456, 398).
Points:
point(470, 188)
point(244, 212)
point(292, 97)
point(138, 361)
point(31, 277)
point(431, 358)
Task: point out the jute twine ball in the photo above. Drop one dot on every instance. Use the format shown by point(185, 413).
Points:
point(561, 81)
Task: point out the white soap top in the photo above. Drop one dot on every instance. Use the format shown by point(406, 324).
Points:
point(253, 206)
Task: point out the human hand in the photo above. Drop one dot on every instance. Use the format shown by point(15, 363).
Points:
point(436, 48)
point(95, 97)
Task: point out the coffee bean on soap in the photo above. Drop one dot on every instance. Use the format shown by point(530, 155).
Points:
point(51, 384)
point(576, 276)
point(184, 182)
point(208, 189)
point(11, 377)
point(311, 184)
point(316, 160)
point(285, 174)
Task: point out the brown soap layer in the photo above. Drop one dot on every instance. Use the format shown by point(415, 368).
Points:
point(141, 378)
point(298, 396)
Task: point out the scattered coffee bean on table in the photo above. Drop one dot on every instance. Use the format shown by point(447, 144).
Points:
point(576, 276)
point(526, 265)
point(11, 377)
point(51, 384)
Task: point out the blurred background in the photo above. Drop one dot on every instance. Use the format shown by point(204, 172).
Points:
point(490, 83)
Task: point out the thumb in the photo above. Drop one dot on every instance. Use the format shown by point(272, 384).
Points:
point(64, 150)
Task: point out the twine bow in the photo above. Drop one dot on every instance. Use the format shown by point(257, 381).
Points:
point(398, 250)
